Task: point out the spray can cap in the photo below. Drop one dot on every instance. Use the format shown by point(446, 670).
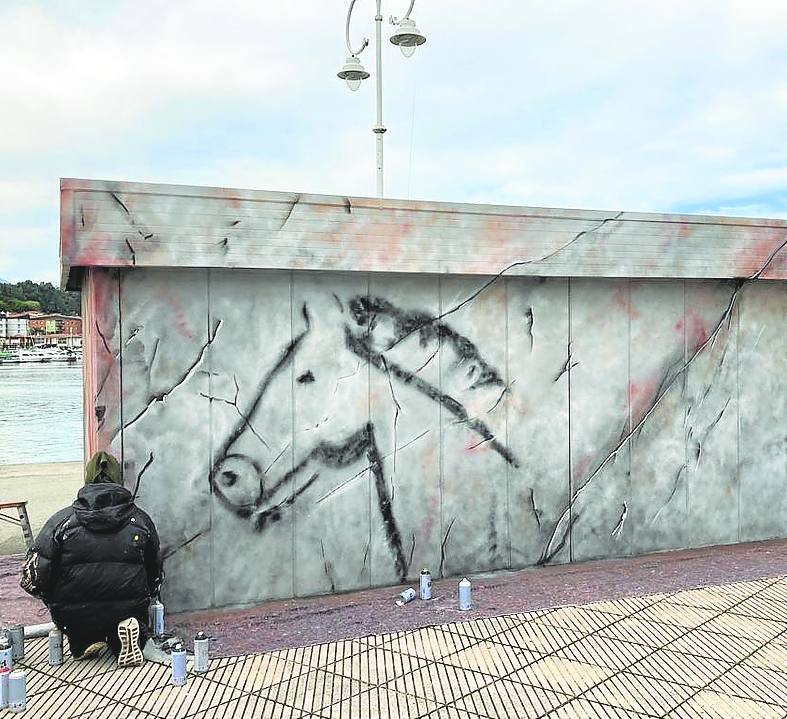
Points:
point(178, 647)
point(4, 642)
point(465, 582)
point(200, 636)
point(425, 570)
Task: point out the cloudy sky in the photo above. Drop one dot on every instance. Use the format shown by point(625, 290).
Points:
point(650, 105)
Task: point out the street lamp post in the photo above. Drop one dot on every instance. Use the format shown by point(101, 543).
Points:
point(408, 38)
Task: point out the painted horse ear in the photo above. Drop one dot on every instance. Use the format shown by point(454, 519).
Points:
point(239, 481)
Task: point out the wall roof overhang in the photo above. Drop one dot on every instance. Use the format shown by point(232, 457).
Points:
point(128, 224)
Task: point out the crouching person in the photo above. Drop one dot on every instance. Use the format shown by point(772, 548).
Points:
point(96, 565)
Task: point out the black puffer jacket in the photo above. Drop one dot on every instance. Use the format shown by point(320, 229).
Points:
point(97, 560)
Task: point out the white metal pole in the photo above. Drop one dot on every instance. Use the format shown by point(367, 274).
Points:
point(379, 129)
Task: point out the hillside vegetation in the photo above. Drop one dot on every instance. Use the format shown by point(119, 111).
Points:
point(30, 296)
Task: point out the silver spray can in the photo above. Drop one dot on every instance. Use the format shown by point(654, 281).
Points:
point(426, 584)
point(406, 596)
point(178, 657)
point(17, 693)
point(201, 652)
point(55, 648)
point(6, 653)
point(464, 595)
point(5, 672)
point(17, 636)
point(156, 613)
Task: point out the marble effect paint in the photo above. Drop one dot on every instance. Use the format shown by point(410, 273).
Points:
point(297, 433)
point(127, 225)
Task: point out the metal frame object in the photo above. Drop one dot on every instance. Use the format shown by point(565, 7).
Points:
point(408, 38)
point(23, 521)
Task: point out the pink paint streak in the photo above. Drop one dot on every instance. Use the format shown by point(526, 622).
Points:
point(581, 466)
point(642, 394)
point(179, 319)
point(695, 329)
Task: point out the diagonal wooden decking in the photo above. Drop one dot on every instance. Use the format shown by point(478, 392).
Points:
point(712, 652)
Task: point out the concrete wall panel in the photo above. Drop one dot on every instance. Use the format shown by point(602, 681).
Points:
point(762, 432)
point(600, 421)
point(166, 419)
point(404, 376)
point(536, 403)
point(712, 416)
point(475, 452)
point(251, 435)
point(102, 358)
point(332, 438)
point(657, 509)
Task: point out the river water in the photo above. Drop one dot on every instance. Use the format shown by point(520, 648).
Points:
point(40, 413)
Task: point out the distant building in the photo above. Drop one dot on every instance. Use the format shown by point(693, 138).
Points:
point(39, 328)
point(14, 325)
point(55, 324)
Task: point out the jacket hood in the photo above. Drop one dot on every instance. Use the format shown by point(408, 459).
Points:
point(103, 506)
point(103, 467)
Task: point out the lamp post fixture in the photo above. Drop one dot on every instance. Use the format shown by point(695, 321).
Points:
point(408, 38)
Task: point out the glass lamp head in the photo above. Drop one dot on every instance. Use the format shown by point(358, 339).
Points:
point(352, 72)
point(408, 37)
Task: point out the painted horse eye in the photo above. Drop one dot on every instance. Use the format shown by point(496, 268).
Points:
point(229, 478)
point(306, 377)
point(239, 480)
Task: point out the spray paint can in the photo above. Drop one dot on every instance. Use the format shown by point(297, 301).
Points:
point(5, 672)
point(406, 596)
point(156, 616)
point(178, 657)
point(17, 693)
point(426, 584)
point(464, 595)
point(55, 648)
point(201, 660)
point(17, 636)
point(6, 653)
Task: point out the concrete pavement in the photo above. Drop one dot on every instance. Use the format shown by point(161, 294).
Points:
point(716, 651)
point(45, 487)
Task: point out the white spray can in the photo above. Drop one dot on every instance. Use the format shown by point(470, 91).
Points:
point(426, 584)
point(178, 657)
point(55, 647)
point(5, 672)
point(406, 597)
point(201, 660)
point(156, 615)
point(17, 692)
point(6, 653)
point(464, 595)
point(17, 636)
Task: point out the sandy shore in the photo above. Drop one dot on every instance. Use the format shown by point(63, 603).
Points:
point(45, 487)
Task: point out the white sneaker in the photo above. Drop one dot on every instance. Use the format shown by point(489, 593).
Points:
point(130, 653)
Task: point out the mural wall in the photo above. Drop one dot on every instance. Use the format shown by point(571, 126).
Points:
point(296, 433)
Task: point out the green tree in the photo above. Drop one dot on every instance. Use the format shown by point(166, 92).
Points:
point(31, 296)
